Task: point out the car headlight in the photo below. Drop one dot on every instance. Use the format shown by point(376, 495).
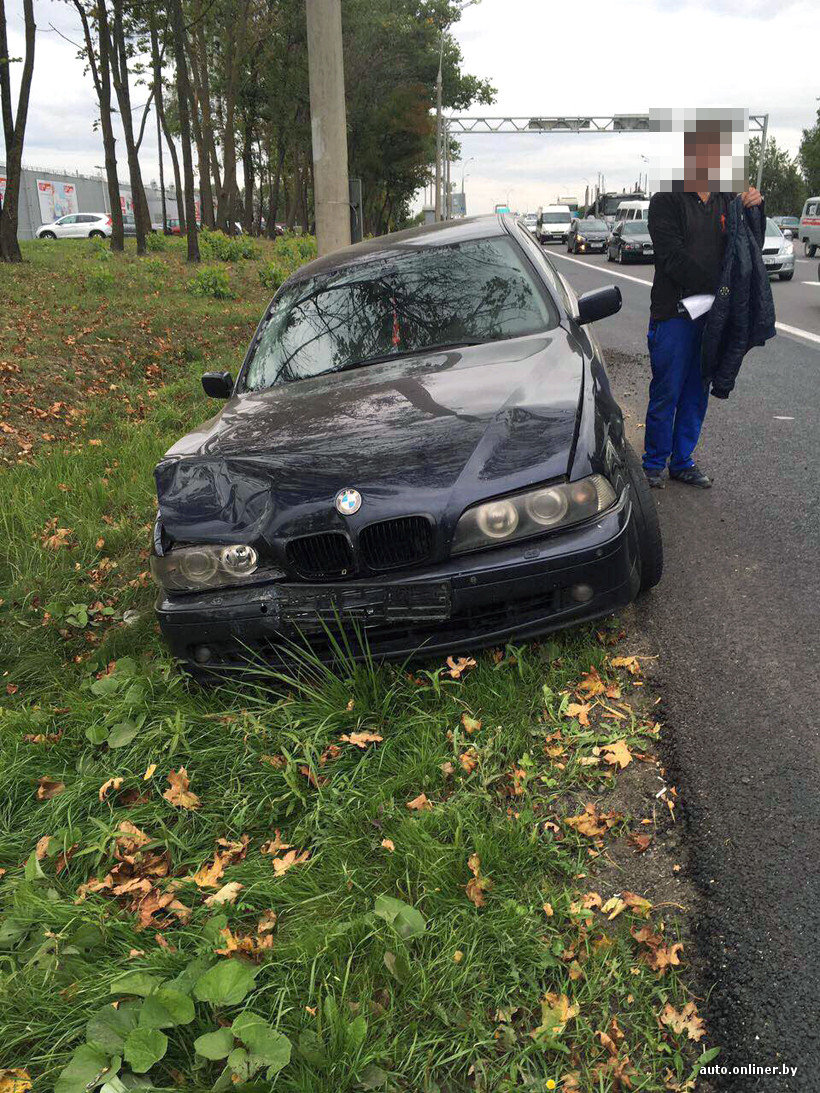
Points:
point(787, 247)
point(189, 568)
point(581, 238)
point(532, 513)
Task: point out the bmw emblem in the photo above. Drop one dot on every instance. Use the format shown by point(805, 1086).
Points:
point(348, 501)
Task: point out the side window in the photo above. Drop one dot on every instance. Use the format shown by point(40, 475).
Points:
point(811, 210)
point(545, 266)
point(73, 219)
point(86, 218)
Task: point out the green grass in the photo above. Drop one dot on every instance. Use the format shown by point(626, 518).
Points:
point(447, 1001)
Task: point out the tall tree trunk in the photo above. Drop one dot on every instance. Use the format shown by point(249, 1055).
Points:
point(199, 73)
point(156, 62)
point(229, 193)
point(202, 149)
point(119, 71)
point(101, 76)
point(247, 170)
point(14, 128)
point(184, 98)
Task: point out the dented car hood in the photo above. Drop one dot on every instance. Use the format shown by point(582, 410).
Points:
point(430, 433)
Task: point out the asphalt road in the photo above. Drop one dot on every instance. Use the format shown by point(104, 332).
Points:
point(735, 622)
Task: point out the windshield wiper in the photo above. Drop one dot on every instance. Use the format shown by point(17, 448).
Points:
point(382, 358)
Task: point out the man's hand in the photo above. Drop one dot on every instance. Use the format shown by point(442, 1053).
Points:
point(751, 197)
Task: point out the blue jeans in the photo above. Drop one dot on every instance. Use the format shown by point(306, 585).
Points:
point(677, 398)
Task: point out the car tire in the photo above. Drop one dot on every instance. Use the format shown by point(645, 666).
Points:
point(786, 276)
point(647, 524)
point(46, 235)
point(809, 249)
point(96, 234)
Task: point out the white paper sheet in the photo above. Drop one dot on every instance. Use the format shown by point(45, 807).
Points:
point(698, 305)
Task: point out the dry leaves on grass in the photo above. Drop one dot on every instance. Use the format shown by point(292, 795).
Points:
point(210, 873)
point(617, 754)
point(283, 862)
point(470, 724)
point(42, 737)
point(580, 710)
point(54, 538)
point(469, 760)
point(16, 1080)
point(48, 788)
point(641, 843)
point(556, 1012)
point(592, 822)
point(591, 684)
point(178, 793)
point(458, 665)
point(253, 945)
point(477, 885)
point(389, 845)
point(362, 739)
point(630, 663)
point(685, 1020)
point(419, 804)
point(657, 953)
point(226, 894)
point(106, 787)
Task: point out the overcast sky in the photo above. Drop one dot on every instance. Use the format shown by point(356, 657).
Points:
point(544, 59)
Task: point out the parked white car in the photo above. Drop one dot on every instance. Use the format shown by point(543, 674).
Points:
point(77, 226)
point(810, 227)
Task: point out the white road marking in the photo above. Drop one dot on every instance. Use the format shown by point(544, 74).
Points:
point(781, 417)
point(811, 283)
point(796, 331)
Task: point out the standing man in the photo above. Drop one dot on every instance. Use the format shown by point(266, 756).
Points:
point(688, 230)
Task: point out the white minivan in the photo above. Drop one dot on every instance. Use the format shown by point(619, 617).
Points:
point(553, 224)
point(809, 230)
point(632, 210)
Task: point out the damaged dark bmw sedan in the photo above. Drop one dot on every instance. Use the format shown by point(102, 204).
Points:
point(421, 453)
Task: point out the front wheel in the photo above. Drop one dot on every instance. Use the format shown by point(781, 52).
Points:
point(647, 524)
point(809, 249)
point(96, 234)
point(47, 235)
point(787, 276)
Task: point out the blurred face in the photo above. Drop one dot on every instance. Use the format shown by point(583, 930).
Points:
point(702, 158)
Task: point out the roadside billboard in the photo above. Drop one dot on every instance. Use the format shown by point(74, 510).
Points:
point(56, 199)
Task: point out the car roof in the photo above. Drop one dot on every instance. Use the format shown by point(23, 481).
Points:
point(409, 240)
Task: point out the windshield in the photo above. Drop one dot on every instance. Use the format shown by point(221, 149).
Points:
point(554, 218)
point(477, 291)
point(591, 225)
point(634, 227)
point(772, 228)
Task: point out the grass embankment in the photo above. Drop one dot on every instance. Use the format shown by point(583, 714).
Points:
point(393, 871)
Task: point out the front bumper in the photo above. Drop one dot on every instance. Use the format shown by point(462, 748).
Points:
point(779, 263)
point(486, 598)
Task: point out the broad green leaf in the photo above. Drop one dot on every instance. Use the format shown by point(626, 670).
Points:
point(144, 1047)
point(190, 973)
point(405, 920)
point(312, 1048)
point(239, 1063)
point(34, 870)
point(225, 984)
point(90, 1066)
point(373, 1077)
point(398, 965)
point(11, 931)
point(357, 1031)
point(266, 1046)
point(97, 734)
point(166, 1008)
point(134, 983)
point(122, 733)
point(109, 1027)
point(215, 1045)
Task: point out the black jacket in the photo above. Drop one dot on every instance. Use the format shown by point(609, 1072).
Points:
point(742, 315)
point(689, 239)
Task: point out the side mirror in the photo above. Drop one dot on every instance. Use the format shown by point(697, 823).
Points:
point(598, 303)
point(788, 234)
point(220, 384)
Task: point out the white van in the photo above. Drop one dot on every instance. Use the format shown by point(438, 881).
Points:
point(809, 230)
point(553, 224)
point(632, 210)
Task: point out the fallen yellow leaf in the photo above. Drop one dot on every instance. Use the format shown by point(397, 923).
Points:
point(178, 793)
point(226, 894)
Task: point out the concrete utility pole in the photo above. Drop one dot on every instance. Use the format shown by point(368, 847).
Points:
point(438, 130)
point(328, 122)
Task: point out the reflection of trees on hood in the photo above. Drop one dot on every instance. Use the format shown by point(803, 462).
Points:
point(472, 292)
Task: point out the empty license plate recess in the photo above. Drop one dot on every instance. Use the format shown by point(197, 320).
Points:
point(428, 601)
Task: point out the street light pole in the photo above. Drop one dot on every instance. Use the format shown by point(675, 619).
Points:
point(328, 122)
point(463, 166)
point(438, 129)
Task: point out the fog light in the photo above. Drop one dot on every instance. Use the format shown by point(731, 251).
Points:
point(202, 654)
point(582, 593)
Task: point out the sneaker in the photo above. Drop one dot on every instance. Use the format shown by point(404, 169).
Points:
point(692, 476)
point(655, 479)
